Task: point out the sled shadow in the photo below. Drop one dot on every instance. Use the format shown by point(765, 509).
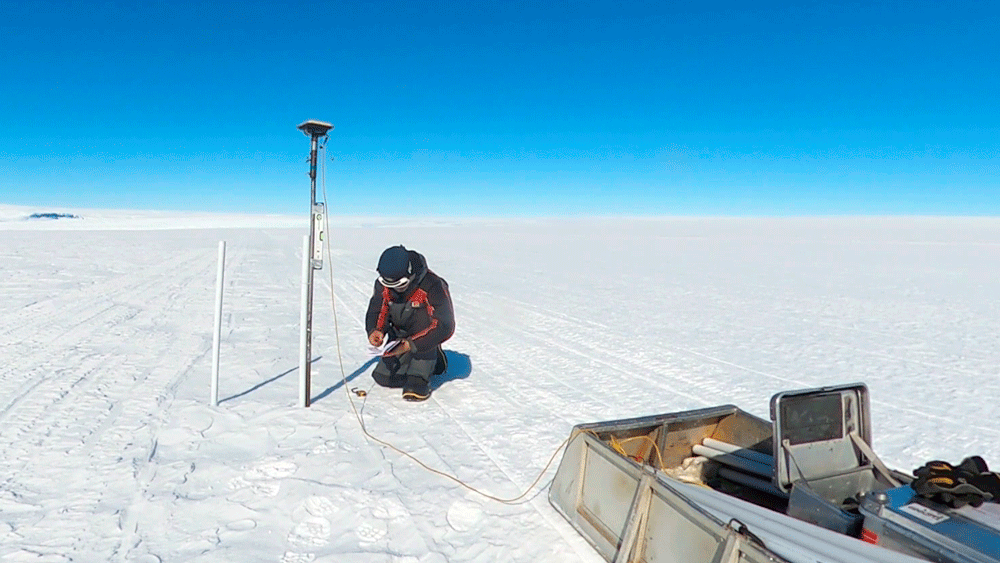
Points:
point(459, 367)
point(266, 382)
point(340, 383)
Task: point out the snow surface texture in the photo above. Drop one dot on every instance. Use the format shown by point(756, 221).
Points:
point(110, 451)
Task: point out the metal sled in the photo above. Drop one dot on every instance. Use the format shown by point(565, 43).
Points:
point(630, 514)
point(679, 486)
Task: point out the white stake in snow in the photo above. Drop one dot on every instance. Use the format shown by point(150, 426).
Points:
point(218, 323)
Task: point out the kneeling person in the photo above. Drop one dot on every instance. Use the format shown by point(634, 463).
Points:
point(411, 304)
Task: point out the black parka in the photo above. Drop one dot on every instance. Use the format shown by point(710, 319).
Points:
point(423, 313)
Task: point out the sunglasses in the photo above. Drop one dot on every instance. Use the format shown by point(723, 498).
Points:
point(398, 283)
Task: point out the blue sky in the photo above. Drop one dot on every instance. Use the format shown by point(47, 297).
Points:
point(509, 108)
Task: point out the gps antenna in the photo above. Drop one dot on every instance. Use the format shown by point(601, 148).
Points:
point(312, 259)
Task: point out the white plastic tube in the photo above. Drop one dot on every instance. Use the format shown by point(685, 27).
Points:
point(742, 452)
point(795, 540)
point(217, 336)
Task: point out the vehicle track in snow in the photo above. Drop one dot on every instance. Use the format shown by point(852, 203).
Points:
point(542, 372)
point(768, 332)
point(89, 361)
point(893, 353)
point(578, 358)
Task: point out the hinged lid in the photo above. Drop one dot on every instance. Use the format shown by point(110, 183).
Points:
point(812, 432)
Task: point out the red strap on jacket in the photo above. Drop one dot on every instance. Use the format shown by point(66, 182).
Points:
point(420, 296)
point(384, 312)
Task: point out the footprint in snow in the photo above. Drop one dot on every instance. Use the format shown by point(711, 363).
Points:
point(382, 511)
point(237, 483)
point(389, 509)
point(271, 470)
point(266, 488)
point(292, 557)
point(312, 531)
point(372, 531)
point(236, 530)
point(243, 525)
point(464, 515)
point(260, 478)
point(261, 488)
point(320, 506)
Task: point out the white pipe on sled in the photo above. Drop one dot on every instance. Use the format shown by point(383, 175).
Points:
point(795, 540)
point(754, 455)
point(734, 460)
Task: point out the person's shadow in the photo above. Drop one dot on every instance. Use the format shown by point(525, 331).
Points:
point(459, 367)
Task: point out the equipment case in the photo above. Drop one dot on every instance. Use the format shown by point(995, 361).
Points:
point(902, 521)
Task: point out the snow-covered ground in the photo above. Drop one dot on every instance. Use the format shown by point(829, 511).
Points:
point(110, 450)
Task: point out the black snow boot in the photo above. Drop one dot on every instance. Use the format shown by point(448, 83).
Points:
point(416, 389)
point(442, 362)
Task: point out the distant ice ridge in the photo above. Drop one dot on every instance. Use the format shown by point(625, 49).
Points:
point(18, 218)
point(50, 216)
point(14, 217)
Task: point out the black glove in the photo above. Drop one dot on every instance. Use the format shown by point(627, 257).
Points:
point(975, 472)
point(955, 486)
point(984, 480)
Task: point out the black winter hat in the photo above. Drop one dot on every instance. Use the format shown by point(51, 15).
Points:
point(394, 263)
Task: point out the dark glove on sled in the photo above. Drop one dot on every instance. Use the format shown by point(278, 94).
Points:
point(988, 483)
point(956, 486)
point(975, 472)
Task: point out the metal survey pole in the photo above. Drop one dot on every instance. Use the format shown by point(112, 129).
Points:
point(305, 321)
point(315, 130)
